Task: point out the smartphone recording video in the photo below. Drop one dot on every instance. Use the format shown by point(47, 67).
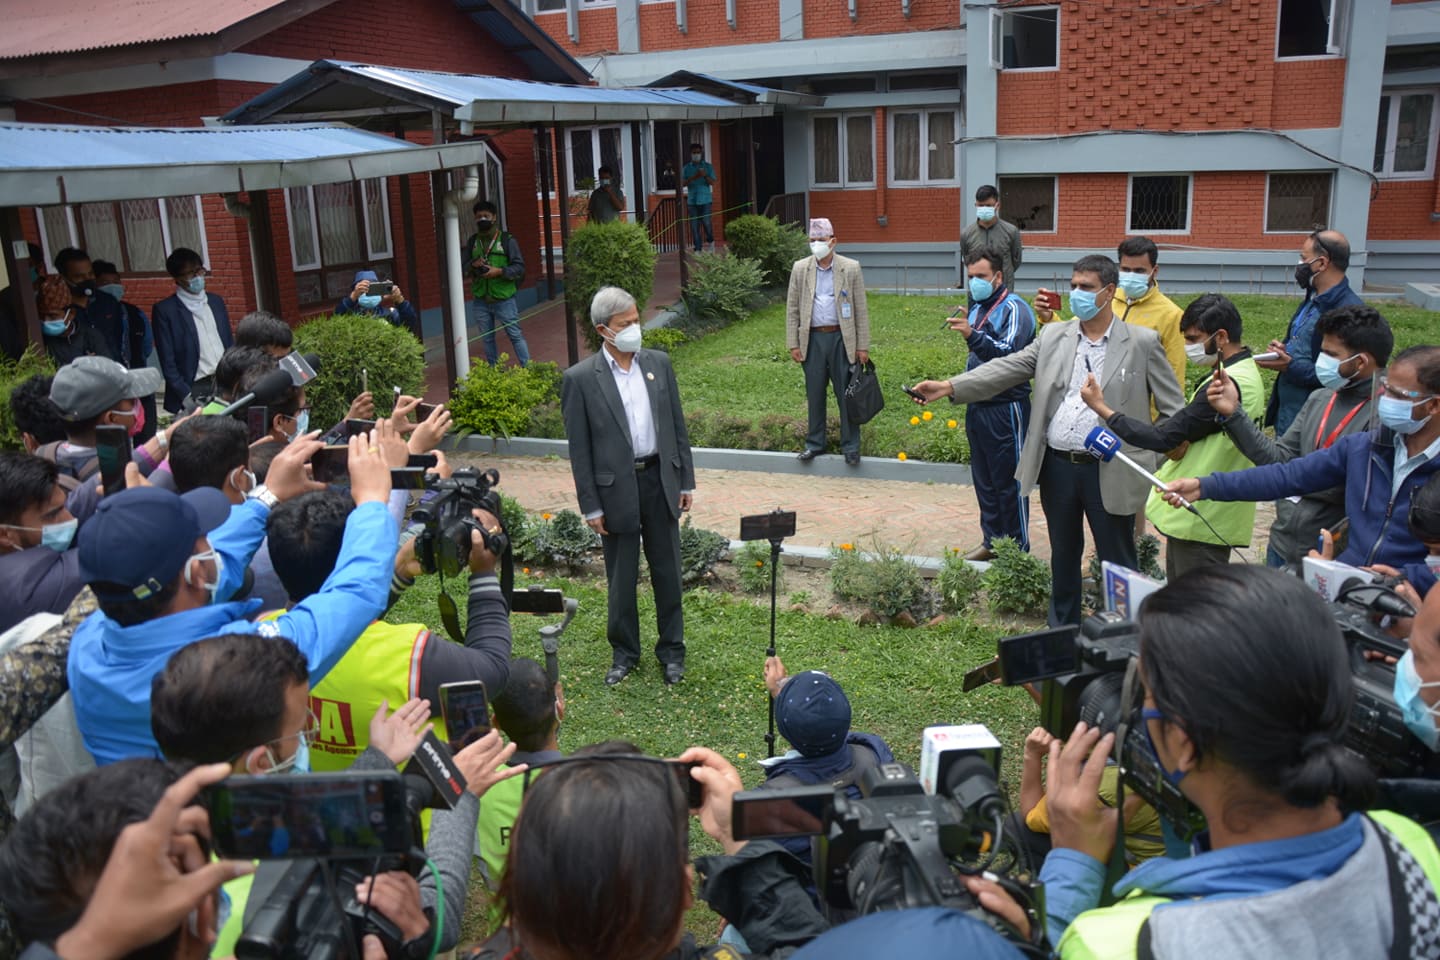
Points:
point(331, 464)
point(791, 812)
point(466, 710)
point(334, 815)
point(113, 451)
point(694, 789)
point(1038, 656)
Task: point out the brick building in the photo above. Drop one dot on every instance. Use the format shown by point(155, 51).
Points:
point(197, 62)
point(1225, 129)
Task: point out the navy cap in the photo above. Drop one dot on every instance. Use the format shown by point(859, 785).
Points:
point(813, 713)
point(141, 538)
point(927, 933)
point(366, 275)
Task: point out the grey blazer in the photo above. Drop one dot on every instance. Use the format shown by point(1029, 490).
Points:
point(602, 459)
point(800, 298)
point(1136, 369)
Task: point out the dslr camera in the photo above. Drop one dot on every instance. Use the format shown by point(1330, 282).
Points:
point(443, 544)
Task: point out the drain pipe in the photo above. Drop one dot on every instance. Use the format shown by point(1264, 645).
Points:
point(238, 208)
point(455, 201)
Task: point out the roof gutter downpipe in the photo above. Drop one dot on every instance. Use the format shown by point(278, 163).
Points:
point(455, 201)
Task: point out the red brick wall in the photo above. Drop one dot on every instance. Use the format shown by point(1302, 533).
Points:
point(598, 32)
point(1401, 210)
point(831, 18)
point(1214, 67)
point(757, 21)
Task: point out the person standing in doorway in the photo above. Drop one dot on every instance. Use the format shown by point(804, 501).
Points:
point(699, 177)
point(990, 234)
point(606, 202)
point(192, 331)
point(496, 269)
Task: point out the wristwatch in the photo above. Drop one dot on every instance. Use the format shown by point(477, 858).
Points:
point(265, 495)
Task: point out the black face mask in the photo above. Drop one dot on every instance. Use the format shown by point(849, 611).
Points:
point(484, 226)
point(82, 289)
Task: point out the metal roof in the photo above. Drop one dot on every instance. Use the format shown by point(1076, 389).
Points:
point(35, 28)
point(751, 92)
point(44, 164)
point(520, 36)
point(338, 89)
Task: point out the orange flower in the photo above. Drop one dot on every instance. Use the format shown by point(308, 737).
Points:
point(759, 564)
point(901, 456)
point(914, 421)
point(927, 416)
point(544, 516)
point(525, 570)
point(951, 424)
point(847, 546)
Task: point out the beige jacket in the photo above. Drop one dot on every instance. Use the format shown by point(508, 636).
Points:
point(855, 329)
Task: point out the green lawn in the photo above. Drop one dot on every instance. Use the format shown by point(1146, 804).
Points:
point(743, 373)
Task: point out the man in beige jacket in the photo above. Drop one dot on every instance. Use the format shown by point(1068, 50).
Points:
point(827, 328)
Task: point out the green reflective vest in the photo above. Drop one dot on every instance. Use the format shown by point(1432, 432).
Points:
point(1217, 453)
point(493, 253)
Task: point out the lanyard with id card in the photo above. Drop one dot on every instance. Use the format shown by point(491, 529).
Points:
point(844, 305)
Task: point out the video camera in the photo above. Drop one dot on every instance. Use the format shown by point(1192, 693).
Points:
point(897, 847)
point(337, 829)
point(443, 543)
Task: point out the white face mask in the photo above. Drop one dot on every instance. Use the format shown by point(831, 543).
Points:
point(820, 248)
point(629, 339)
point(211, 587)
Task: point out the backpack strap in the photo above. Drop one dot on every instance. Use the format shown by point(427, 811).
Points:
point(1414, 905)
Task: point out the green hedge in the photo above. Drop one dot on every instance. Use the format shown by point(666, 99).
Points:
point(349, 343)
point(614, 254)
point(723, 289)
point(774, 247)
point(506, 401)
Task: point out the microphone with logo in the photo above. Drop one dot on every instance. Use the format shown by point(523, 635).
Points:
point(1104, 445)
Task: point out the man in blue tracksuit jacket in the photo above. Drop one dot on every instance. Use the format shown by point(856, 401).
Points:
point(1365, 465)
point(162, 565)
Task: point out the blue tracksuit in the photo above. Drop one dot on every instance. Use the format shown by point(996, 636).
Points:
point(995, 428)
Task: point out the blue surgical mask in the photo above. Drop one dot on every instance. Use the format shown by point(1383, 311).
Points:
point(1172, 776)
point(1327, 371)
point(981, 289)
point(1135, 285)
point(369, 300)
point(1083, 305)
point(195, 284)
point(54, 328)
point(1419, 716)
point(116, 290)
point(302, 424)
point(59, 536)
point(297, 762)
point(984, 214)
point(1397, 414)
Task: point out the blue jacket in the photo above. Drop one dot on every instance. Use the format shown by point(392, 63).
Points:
point(105, 314)
point(1302, 342)
point(111, 666)
point(998, 329)
point(41, 580)
point(1364, 464)
point(179, 345)
point(401, 316)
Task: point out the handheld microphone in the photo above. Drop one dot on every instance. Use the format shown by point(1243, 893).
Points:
point(431, 777)
point(1102, 444)
point(267, 390)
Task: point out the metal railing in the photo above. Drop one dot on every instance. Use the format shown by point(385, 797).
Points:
point(664, 225)
point(788, 208)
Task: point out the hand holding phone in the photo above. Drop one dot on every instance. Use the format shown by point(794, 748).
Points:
point(113, 451)
point(1047, 299)
point(466, 710)
point(919, 397)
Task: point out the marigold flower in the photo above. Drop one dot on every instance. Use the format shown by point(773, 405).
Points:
point(951, 424)
point(927, 415)
point(759, 563)
point(524, 569)
point(544, 516)
point(915, 421)
point(901, 456)
point(847, 546)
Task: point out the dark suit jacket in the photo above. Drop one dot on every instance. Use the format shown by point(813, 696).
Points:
point(602, 459)
point(179, 345)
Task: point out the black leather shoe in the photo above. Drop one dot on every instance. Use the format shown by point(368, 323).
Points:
point(674, 673)
point(617, 673)
point(852, 459)
point(805, 456)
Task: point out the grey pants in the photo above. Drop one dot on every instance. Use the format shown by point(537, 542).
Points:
point(826, 364)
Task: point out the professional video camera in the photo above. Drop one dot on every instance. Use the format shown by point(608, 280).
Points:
point(898, 847)
point(443, 544)
point(337, 829)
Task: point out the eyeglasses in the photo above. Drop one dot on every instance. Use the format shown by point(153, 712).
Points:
point(311, 731)
point(1415, 396)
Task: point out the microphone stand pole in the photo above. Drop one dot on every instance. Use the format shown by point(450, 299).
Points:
point(775, 551)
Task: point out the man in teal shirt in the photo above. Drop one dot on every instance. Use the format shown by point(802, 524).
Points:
point(699, 177)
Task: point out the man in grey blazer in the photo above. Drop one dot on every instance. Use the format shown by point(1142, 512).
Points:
point(827, 328)
point(1132, 368)
point(630, 456)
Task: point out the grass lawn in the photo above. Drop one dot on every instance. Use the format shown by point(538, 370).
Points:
point(899, 682)
point(745, 372)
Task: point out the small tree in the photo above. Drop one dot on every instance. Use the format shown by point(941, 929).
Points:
point(351, 342)
point(615, 254)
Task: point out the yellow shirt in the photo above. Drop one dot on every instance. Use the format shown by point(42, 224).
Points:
point(1143, 840)
point(1161, 314)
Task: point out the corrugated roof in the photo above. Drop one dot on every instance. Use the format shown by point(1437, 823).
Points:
point(342, 86)
point(46, 27)
point(753, 92)
point(44, 164)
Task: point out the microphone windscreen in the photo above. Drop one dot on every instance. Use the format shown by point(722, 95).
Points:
point(1102, 444)
point(313, 359)
point(272, 387)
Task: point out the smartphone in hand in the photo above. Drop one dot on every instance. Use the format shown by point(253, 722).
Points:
point(916, 394)
point(1047, 299)
point(113, 451)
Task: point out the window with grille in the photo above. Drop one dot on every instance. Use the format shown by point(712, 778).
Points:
point(1405, 134)
point(843, 150)
point(1029, 202)
point(668, 163)
point(135, 235)
point(335, 230)
point(1297, 202)
point(1159, 204)
point(922, 147)
point(1025, 38)
point(590, 149)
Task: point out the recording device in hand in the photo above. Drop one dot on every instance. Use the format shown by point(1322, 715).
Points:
point(269, 389)
point(443, 544)
point(301, 367)
point(381, 288)
point(424, 410)
point(257, 422)
point(338, 815)
point(1261, 357)
point(332, 465)
point(466, 710)
point(1104, 445)
point(353, 427)
point(915, 393)
point(774, 526)
point(694, 789)
point(113, 452)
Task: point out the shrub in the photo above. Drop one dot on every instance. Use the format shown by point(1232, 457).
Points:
point(886, 582)
point(664, 338)
point(752, 236)
point(615, 254)
point(503, 400)
point(1016, 581)
point(794, 244)
point(1147, 549)
point(564, 538)
point(517, 525)
point(722, 290)
point(958, 582)
point(752, 568)
point(12, 373)
point(707, 429)
point(352, 342)
point(700, 550)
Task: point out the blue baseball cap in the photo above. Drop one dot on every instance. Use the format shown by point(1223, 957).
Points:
point(366, 275)
point(140, 539)
point(923, 933)
point(813, 713)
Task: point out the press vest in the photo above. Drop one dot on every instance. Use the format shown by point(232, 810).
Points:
point(1216, 453)
point(1114, 932)
point(494, 288)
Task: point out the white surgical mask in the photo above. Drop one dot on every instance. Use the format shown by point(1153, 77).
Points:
point(629, 339)
point(1195, 353)
point(820, 248)
point(1134, 284)
point(984, 214)
point(211, 587)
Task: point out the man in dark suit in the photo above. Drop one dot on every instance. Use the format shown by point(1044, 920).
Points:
point(630, 456)
point(192, 330)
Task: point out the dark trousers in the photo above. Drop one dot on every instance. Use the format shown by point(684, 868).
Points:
point(1182, 556)
point(660, 535)
point(1068, 492)
point(996, 431)
point(827, 365)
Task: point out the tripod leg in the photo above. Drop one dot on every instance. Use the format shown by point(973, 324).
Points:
point(774, 573)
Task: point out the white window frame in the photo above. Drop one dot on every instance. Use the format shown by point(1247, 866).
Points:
point(389, 251)
point(925, 179)
point(1054, 202)
point(1335, 39)
point(594, 131)
point(843, 137)
point(1189, 204)
point(997, 34)
point(1393, 125)
point(314, 263)
point(532, 7)
point(1265, 223)
point(649, 145)
point(72, 239)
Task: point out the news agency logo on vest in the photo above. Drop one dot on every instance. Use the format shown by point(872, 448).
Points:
point(336, 728)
